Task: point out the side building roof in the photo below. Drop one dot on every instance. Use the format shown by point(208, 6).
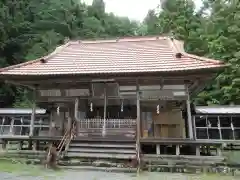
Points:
point(218, 109)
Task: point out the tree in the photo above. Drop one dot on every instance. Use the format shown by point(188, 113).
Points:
point(30, 29)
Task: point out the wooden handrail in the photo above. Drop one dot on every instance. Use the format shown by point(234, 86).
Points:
point(67, 138)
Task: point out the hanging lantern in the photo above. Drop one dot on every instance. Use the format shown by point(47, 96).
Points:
point(158, 109)
point(58, 110)
point(122, 106)
point(91, 107)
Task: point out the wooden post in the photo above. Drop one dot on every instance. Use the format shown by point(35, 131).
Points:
point(158, 149)
point(189, 116)
point(20, 145)
point(197, 150)
point(11, 131)
point(194, 128)
point(177, 150)
point(219, 128)
point(69, 119)
point(34, 147)
point(219, 151)
point(105, 112)
point(4, 145)
point(33, 114)
point(138, 126)
point(50, 133)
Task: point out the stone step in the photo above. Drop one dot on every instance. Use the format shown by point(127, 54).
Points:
point(100, 155)
point(105, 150)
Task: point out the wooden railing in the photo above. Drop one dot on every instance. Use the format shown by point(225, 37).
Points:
point(109, 123)
point(20, 125)
point(99, 127)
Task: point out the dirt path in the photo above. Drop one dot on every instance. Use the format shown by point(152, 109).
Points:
point(91, 175)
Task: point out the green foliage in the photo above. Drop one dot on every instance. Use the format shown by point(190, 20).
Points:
point(30, 29)
point(213, 31)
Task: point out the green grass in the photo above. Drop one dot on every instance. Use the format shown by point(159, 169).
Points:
point(18, 167)
point(176, 176)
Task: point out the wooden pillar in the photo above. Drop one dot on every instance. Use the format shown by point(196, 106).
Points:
point(178, 150)
point(33, 114)
point(219, 151)
point(194, 128)
point(189, 116)
point(70, 116)
point(197, 150)
point(34, 147)
point(4, 145)
point(11, 131)
point(158, 149)
point(20, 145)
point(105, 112)
point(219, 128)
point(138, 125)
point(51, 124)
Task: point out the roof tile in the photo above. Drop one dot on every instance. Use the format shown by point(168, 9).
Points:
point(126, 55)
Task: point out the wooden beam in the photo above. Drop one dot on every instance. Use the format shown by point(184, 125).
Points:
point(19, 84)
point(127, 79)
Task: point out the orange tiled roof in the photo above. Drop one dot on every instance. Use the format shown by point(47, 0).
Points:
point(125, 55)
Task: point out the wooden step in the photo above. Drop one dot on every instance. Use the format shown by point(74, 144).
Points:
point(103, 145)
point(92, 150)
point(108, 169)
point(99, 155)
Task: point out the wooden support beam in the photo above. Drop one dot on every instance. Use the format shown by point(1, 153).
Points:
point(197, 150)
point(20, 145)
point(219, 151)
point(51, 124)
point(19, 84)
point(4, 145)
point(189, 117)
point(33, 114)
point(177, 149)
point(11, 126)
point(158, 149)
point(34, 147)
point(138, 126)
point(88, 79)
point(105, 111)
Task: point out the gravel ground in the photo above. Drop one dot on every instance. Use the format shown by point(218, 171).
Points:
point(91, 175)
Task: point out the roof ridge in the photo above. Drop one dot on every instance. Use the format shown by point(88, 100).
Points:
point(57, 50)
point(123, 39)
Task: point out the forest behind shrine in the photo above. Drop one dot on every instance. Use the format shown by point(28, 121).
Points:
point(30, 29)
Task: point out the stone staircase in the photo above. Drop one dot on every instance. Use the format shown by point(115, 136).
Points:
point(102, 150)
